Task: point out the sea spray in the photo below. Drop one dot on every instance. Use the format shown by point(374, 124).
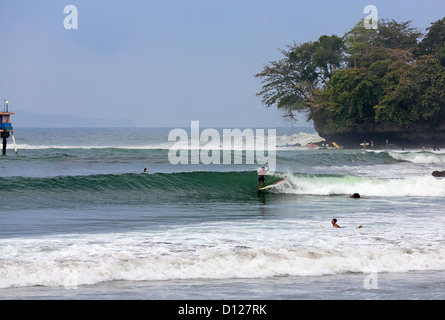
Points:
point(322, 184)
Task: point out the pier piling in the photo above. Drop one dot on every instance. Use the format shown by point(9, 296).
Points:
point(6, 128)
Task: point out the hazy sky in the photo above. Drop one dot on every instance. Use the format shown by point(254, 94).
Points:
point(166, 62)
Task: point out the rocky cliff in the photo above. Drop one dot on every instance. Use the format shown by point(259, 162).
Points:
point(416, 136)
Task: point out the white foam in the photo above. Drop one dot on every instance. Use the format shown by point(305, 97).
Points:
point(298, 139)
point(216, 251)
point(423, 186)
point(419, 157)
point(414, 156)
point(301, 138)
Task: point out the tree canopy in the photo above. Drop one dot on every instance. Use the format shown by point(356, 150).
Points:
point(392, 76)
point(291, 82)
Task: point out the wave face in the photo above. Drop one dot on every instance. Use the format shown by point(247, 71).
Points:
point(221, 182)
point(208, 186)
point(122, 189)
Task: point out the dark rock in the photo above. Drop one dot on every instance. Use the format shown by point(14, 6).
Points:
point(394, 136)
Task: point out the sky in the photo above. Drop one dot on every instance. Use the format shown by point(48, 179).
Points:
point(164, 63)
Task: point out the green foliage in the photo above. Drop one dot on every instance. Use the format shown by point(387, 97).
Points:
point(391, 39)
point(290, 83)
point(440, 55)
point(433, 40)
point(395, 35)
point(413, 94)
point(352, 94)
point(328, 56)
point(368, 77)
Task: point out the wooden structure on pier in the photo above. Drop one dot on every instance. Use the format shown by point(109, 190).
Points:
point(6, 128)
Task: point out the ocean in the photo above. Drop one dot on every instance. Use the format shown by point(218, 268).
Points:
point(80, 220)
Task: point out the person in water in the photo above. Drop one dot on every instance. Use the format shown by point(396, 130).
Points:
point(145, 170)
point(261, 178)
point(355, 195)
point(335, 225)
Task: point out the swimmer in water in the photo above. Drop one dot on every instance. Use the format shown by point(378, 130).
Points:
point(355, 195)
point(335, 225)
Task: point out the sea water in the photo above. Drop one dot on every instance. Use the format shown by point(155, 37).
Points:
point(79, 220)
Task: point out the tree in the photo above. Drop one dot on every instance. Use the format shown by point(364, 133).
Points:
point(413, 94)
point(399, 36)
point(433, 40)
point(367, 79)
point(349, 99)
point(359, 42)
point(391, 39)
point(291, 82)
point(440, 55)
point(328, 56)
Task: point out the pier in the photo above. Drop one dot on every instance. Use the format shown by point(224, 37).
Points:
point(6, 128)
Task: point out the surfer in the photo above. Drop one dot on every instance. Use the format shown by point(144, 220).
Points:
point(335, 225)
point(355, 195)
point(261, 178)
point(145, 170)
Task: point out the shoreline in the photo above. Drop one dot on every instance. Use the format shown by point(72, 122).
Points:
point(376, 147)
point(411, 285)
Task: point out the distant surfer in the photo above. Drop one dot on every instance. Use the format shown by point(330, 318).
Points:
point(335, 225)
point(355, 195)
point(145, 170)
point(261, 178)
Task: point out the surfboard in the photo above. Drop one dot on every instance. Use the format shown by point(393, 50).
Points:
point(335, 145)
point(272, 185)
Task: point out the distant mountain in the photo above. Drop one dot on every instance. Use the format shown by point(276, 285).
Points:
point(29, 119)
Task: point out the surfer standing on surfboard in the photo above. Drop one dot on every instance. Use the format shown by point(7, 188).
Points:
point(261, 178)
